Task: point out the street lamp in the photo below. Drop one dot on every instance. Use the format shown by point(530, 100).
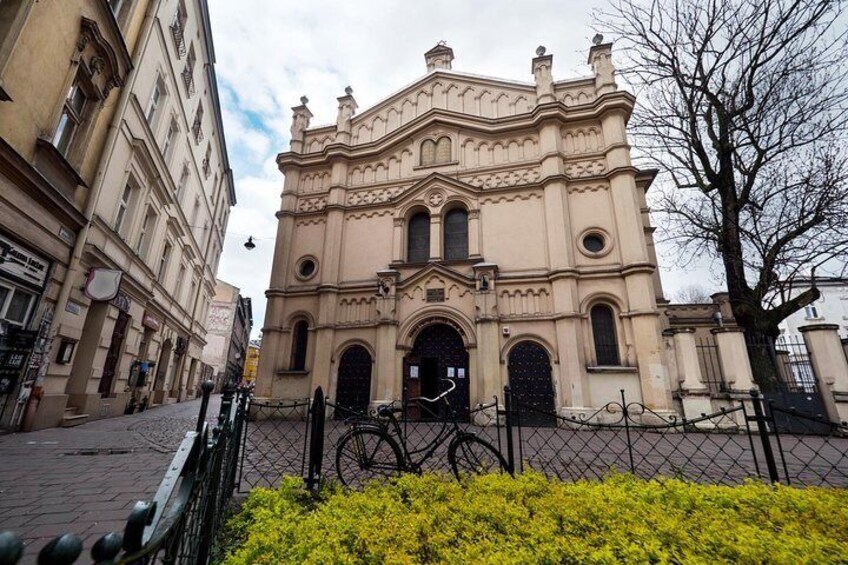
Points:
point(249, 245)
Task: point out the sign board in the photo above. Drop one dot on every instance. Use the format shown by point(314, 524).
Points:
point(150, 321)
point(23, 264)
point(435, 295)
point(121, 302)
point(102, 285)
point(15, 348)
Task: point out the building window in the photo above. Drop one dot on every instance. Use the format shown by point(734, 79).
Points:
point(188, 72)
point(121, 221)
point(207, 161)
point(15, 305)
point(119, 7)
point(77, 105)
point(456, 234)
point(183, 182)
point(603, 332)
point(192, 292)
point(155, 101)
point(435, 152)
point(178, 289)
point(300, 335)
point(146, 234)
point(811, 312)
point(418, 238)
point(197, 125)
point(168, 147)
point(178, 29)
point(163, 262)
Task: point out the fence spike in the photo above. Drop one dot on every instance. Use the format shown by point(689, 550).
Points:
point(107, 548)
point(63, 550)
point(11, 548)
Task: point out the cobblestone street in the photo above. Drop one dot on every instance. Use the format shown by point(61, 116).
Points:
point(85, 480)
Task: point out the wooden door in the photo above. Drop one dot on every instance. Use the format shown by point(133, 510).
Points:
point(353, 388)
point(114, 354)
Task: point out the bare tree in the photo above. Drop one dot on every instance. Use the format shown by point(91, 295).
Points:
point(693, 294)
point(744, 104)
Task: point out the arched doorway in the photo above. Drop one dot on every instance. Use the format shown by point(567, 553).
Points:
point(353, 387)
point(531, 384)
point(438, 353)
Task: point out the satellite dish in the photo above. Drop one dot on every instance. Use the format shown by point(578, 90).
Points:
point(598, 39)
point(540, 50)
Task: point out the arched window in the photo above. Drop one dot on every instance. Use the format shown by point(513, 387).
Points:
point(443, 150)
point(456, 234)
point(418, 238)
point(300, 335)
point(603, 332)
point(428, 153)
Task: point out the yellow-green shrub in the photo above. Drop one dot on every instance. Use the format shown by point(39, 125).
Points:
point(499, 520)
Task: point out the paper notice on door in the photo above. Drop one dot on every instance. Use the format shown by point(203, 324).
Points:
point(461, 372)
point(413, 372)
point(451, 372)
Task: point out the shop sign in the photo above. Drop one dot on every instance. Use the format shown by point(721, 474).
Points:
point(22, 263)
point(121, 302)
point(151, 321)
point(102, 285)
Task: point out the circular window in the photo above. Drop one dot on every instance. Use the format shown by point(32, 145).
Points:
point(594, 243)
point(306, 267)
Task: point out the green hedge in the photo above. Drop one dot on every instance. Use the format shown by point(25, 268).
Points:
point(496, 519)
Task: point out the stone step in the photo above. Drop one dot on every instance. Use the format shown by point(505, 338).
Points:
point(69, 421)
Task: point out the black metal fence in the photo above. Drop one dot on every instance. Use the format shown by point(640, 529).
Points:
point(754, 440)
point(710, 365)
point(179, 525)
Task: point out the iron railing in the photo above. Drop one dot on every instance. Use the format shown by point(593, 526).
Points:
point(710, 365)
point(178, 526)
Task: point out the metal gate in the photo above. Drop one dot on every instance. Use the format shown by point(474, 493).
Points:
point(531, 384)
point(353, 388)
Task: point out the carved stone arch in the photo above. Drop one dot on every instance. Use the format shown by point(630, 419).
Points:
point(602, 297)
point(454, 201)
point(298, 315)
point(412, 326)
point(514, 340)
point(392, 119)
point(422, 102)
point(378, 128)
point(348, 343)
point(502, 105)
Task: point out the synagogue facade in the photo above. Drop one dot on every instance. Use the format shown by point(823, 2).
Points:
point(469, 228)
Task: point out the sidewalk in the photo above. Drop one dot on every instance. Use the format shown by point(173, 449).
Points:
point(85, 480)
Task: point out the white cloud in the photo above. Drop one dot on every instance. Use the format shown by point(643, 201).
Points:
point(271, 52)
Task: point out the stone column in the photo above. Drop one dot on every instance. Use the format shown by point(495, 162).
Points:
point(733, 356)
point(542, 69)
point(397, 241)
point(384, 365)
point(435, 237)
point(474, 249)
point(830, 367)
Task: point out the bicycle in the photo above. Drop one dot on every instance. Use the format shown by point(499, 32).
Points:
point(367, 451)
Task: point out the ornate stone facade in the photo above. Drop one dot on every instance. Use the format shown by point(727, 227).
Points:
point(501, 212)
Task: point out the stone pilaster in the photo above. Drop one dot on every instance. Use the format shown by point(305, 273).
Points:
point(733, 356)
point(300, 121)
point(600, 58)
point(694, 396)
point(829, 366)
point(542, 69)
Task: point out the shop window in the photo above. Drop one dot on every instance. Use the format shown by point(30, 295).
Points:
point(15, 305)
point(604, 334)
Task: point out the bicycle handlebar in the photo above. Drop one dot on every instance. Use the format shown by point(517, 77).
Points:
point(442, 395)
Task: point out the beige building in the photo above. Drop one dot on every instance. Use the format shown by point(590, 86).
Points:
point(63, 67)
point(483, 230)
point(151, 188)
point(230, 320)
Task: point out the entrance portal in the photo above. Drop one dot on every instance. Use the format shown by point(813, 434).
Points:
point(531, 384)
point(353, 388)
point(438, 353)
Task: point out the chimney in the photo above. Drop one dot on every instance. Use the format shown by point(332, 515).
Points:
point(439, 57)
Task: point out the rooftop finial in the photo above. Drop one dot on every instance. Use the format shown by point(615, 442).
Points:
point(540, 50)
point(304, 100)
point(348, 90)
point(598, 39)
point(439, 57)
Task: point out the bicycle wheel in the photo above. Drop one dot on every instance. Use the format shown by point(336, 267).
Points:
point(470, 455)
point(365, 455)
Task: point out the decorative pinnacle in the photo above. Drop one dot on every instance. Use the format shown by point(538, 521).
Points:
point(348, 90)
point(598, 39)
point(540, 50)
point(304, 100)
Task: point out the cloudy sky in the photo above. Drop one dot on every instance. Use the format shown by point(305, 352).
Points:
point(271, 52)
